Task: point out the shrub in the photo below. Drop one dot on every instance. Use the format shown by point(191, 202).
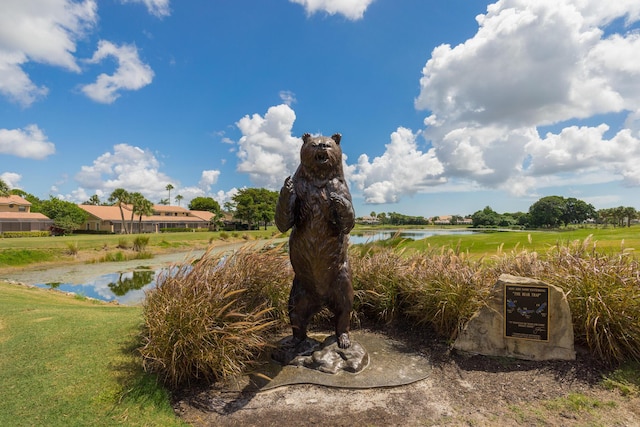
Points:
point(175, 230)
point(123, 243)
point(604, 296)
point(209, 320)
point(140, 243)
point(14, 234)
point(379, 277)
point(72, 248)
point(445, 290)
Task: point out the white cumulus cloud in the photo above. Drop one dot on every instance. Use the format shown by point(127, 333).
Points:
point(12, 179)
point(158, 8)
point(29, 142)
point(208, 178)
point(267, 151)
point(131, 74)
point(535, 64)
point(351, 9)
point(128, 167)
point(402, 170)
point(39, 31)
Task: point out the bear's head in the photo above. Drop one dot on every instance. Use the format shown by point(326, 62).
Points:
point(321, 156)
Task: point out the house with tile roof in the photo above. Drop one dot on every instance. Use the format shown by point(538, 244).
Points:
point(16, 215)
point(109, 219)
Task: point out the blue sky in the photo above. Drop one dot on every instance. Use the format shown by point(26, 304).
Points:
point(445, 107)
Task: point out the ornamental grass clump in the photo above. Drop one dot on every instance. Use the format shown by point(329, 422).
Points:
point(140, 243)
point(604, 297)
point(207, 321)
point(446, 289)
point(379, 277)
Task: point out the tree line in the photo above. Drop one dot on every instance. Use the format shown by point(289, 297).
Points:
point(553, 212)
point(251, 205)
point(256, 206)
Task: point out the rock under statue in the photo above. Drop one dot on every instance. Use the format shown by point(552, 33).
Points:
point(316, 205)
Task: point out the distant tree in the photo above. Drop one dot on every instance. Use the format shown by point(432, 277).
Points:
point(373, 214)
point(486, 218)
point(93, 200)
point(577, 211)
point(65, 215)
point(631, 214)
point(204, 204)
point(547, 212)
point(139, 206)
point(382, 217)
point(164, 202)
point(179, 199)
point(552, 211)
point(169, 187)
point(255, 205)
point(4, 189)
point(395, 218)
point(120, 197)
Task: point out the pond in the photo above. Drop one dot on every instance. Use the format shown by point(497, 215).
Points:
point(129, 287)
point(418, 234)
point(125, 287)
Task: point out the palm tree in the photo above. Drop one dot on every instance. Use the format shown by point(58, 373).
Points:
point(137, 200)
point(144, 207)
point(120, 197)
point(93, 200)
point(4, 189)
point(179, 199)
point(169, 187)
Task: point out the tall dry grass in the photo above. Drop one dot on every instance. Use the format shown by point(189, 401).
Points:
point(209, 320)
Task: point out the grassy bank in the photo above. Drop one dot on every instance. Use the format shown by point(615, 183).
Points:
point(67, 361)
point(19, 252)
point(491, 243)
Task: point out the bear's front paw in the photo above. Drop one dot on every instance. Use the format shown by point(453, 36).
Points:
point(338, 200)
point(344, 341)
point(288, 188)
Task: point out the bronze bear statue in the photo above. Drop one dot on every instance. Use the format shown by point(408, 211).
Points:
point(316, 205)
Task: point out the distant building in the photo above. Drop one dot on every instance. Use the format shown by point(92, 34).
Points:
point(369, 220)
point(446, 220)
point(16, 215)
point(108, 219)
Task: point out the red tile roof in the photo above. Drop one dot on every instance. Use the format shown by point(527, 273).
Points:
point(14, 199)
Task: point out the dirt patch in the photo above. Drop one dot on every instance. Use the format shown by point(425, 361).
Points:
point(461, 390)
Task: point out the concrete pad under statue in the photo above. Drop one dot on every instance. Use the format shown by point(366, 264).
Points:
point(390, 363)
point(524, 318)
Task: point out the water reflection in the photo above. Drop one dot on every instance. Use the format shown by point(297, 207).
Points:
point(372, 236)
point(128, 282)
point(124, 287)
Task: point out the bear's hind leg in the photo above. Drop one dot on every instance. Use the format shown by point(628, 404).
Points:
point(341, 308)
point(301, 308)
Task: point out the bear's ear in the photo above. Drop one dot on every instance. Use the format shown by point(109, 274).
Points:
point(306, 137)
point(336, 137)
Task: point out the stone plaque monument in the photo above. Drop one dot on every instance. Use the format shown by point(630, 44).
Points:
point(524, 318)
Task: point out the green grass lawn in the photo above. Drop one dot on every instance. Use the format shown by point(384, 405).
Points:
point(490, 243)
point(28, 250)
point(68, 361)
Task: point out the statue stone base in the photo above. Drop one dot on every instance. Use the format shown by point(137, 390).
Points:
point(324, 356)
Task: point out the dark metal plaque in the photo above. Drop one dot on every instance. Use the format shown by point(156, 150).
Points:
point(526, 312)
